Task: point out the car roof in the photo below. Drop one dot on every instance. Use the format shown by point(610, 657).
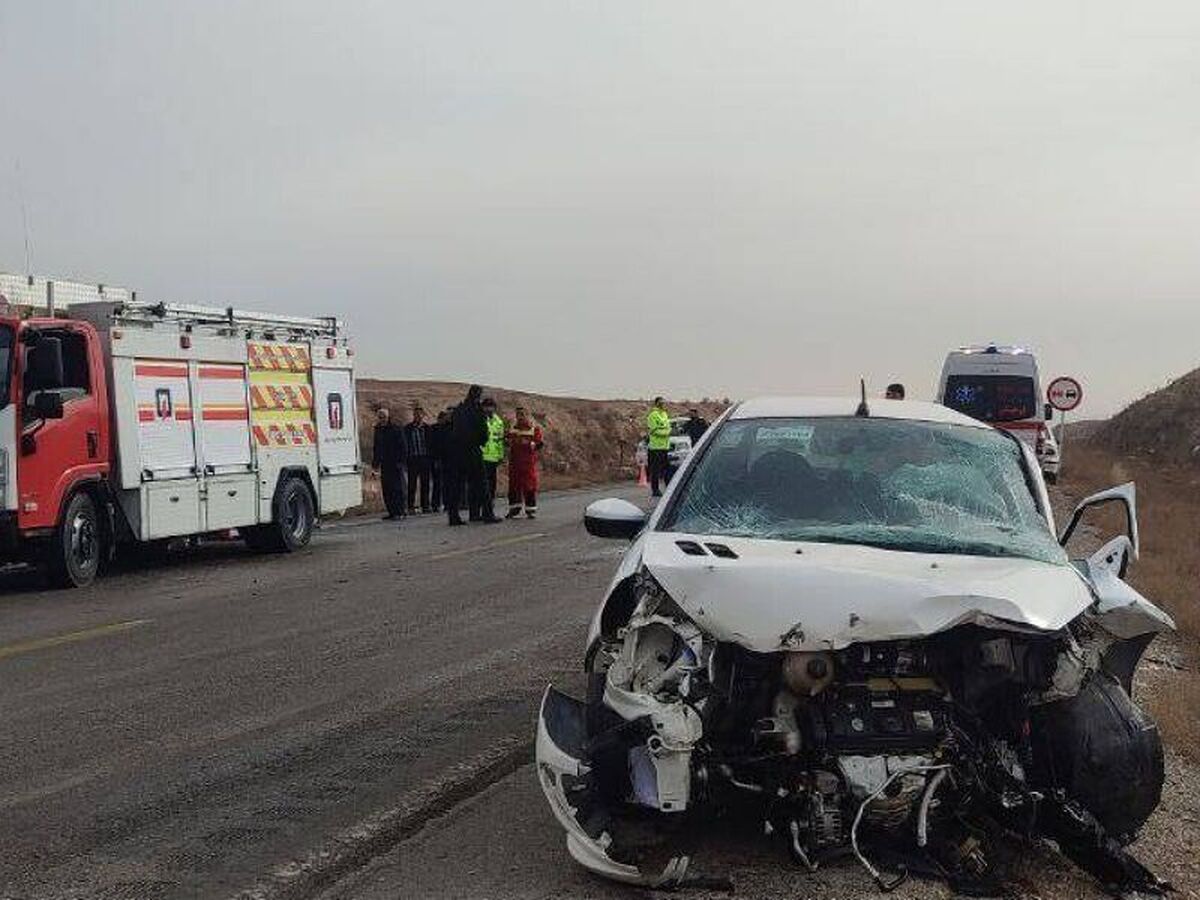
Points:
point(829, 407)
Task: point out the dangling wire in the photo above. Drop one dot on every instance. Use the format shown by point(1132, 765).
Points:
point(884, 884)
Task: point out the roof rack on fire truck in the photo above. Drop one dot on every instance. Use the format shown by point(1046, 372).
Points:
point(57, 295)
point(188, 314)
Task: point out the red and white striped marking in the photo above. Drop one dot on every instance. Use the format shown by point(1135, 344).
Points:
point(284, 435)
point(278, 357)
point(281, 396)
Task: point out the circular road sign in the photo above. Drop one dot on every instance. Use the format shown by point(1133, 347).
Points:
point(1064, 394)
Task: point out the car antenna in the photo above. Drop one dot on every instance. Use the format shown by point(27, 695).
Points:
point(863, 410)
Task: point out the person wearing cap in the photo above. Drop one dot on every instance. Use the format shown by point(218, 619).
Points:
point(658, 431)
point(524, 448)
point(493, 455)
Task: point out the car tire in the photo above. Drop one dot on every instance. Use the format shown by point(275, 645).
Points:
point(76, 548)
point(294, 514)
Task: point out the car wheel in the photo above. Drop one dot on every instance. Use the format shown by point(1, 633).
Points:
point(77, 545)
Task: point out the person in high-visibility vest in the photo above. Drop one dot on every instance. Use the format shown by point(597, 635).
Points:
point(658, 430)
point(524, 448)
point(493, 455)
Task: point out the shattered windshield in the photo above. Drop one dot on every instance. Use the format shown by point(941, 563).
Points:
point(903, 485)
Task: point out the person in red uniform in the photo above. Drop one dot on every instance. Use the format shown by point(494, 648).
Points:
point(524, 447)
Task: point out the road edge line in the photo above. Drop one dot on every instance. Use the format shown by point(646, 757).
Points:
point(355, 847)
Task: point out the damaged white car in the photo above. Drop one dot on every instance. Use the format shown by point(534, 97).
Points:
point(860, 623)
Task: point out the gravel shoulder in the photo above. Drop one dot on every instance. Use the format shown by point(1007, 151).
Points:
point(504, 844)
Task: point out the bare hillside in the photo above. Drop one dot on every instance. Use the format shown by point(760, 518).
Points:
point(587, 441)
point(1082, 430)
point(1164, 425)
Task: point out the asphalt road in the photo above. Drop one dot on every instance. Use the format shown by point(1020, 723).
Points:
point(227, 724)
point(350, 723)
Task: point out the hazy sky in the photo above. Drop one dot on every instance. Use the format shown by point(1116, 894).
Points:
point(621, 198)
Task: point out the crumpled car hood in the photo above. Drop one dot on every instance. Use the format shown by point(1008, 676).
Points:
point(792, 595)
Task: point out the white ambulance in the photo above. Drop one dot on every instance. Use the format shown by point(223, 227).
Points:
point(999, 384)
point(123, 421)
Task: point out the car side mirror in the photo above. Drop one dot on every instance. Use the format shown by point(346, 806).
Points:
point(48, 405)
point(1125, 494)
point(614, 518)
point(1048, 412)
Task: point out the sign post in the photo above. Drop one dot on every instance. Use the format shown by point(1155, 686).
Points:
point(1064, 394)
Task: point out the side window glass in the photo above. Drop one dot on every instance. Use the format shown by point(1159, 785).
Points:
point(76, 380)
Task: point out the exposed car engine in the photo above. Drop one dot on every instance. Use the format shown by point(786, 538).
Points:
point(922, 750)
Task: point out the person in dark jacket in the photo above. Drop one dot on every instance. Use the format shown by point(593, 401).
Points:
point(695, 426)
point(388, 459)
point(468, 434)
point(417, 444)
point(438, 432)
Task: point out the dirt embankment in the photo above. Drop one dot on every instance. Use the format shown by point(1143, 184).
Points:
point(587, 441)
point(1168, 571)
point(1168, 680)
point(1155, 442)
point(1163, 426)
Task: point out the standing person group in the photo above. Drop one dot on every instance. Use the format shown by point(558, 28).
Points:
point(410, 462)
point(658, 442)
point(479, 441)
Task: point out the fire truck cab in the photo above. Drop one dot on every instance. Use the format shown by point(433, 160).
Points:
point(126, 423)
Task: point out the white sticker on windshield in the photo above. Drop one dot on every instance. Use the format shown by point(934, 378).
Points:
point(795, 435)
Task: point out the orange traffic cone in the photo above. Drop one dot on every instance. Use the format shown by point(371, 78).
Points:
point(643, 478)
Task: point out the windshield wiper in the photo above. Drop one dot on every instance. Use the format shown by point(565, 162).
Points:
point(913, 546)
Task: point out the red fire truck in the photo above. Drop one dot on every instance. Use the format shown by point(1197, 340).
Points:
point(124, 421)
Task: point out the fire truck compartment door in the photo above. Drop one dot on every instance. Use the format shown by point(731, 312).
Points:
point(171, 508)
point(224, 422)
point(337, 420)
point(166, 442)
point(232, 502)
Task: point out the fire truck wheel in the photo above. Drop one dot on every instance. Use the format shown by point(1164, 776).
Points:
point(75, 550)
point(294, 515)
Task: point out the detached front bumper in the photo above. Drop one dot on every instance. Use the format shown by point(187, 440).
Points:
point(567, 780)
